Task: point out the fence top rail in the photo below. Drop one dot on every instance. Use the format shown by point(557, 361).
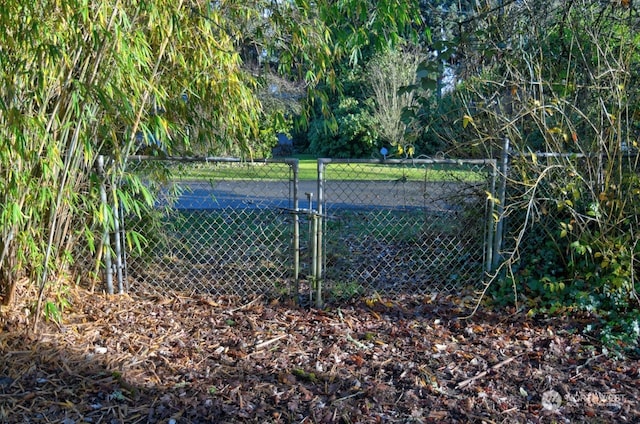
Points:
point(223, 159)
point(413, 161)
point(629, 153)
point(209, 159)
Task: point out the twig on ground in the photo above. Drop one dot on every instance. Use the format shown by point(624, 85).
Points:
point(266, 343)
point(245, 306)
point(587, 362)
point(468, 381)
point(356, 342)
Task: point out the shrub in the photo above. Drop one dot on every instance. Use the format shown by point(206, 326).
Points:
point(353, 135)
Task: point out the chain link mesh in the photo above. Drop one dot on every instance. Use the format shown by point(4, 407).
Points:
point(417, 226)
point(224, 231)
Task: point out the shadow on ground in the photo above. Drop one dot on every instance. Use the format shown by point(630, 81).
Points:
point(178, 359)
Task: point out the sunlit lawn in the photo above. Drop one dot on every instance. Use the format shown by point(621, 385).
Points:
point(308, 171)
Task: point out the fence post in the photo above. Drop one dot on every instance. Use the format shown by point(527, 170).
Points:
point(296, 228)
point(117, 239)
point(314, 260)
point(106, 243)
point(491, 225)
point(504, 169)
point(319, 234)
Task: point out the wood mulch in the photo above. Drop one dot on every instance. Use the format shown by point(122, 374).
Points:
point(174, 359)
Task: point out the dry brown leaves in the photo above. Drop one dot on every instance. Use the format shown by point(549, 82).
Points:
point(172, 359)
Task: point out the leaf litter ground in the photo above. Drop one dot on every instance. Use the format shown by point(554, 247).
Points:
point(173, 359)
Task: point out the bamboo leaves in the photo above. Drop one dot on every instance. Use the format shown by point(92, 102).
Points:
point(77, 77)
point(81, 79)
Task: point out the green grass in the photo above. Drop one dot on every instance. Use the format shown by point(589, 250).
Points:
point(308, 171)
point(224, 228)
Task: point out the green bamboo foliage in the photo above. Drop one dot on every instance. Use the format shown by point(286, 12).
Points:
point(81, 78)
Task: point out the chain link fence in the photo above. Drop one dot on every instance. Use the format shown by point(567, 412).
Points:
point(412, 226)
point(223, 229)
point(226, 227)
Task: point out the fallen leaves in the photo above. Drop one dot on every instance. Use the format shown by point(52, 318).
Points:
point(412, 359)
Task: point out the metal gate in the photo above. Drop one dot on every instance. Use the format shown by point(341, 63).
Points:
point(403, 226)
point(363, 226)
